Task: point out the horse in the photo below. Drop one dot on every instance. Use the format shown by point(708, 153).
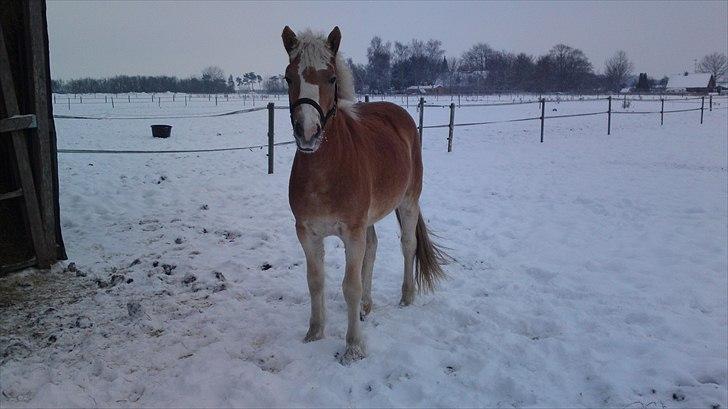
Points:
point(354, 164)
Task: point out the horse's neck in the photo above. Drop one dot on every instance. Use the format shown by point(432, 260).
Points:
point(337, 147)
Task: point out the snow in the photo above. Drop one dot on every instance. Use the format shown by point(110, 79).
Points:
point(696, 80)
point(590, 271)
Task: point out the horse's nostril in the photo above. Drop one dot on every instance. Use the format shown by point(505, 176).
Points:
point(298, 129)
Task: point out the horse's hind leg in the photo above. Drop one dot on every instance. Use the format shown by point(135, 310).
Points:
point(366, 271)
point(407, 214)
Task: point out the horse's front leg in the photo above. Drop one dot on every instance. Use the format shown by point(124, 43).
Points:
point(355, 244)
point(313, 247)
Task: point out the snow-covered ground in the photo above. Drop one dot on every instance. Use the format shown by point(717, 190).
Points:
point(590, 270)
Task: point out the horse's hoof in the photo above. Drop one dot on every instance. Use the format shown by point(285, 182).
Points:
point(314, 334)
point(353, 353)
point(405, 301)
point(366, 308)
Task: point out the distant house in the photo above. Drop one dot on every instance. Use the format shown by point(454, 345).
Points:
point(698, 83)
point(721, 87)
point(425, 89)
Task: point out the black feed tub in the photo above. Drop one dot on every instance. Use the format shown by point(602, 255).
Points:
point(161, 131)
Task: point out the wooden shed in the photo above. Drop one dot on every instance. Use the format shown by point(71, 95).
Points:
point(30, 232)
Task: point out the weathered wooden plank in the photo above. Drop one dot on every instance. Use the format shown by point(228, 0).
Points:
point(45, 164)
point(18, 123)
point(10, 195)
point(40, 244)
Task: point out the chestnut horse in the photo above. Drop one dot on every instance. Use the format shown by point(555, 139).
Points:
point(355, 164)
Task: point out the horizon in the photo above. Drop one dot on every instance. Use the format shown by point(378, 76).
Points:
point(175, 38)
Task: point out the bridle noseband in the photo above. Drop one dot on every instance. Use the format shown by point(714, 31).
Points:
point(309, 101)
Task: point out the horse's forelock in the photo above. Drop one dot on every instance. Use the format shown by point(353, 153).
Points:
point(312, 50)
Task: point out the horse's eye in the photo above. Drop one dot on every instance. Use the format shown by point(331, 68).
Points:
point(332, 80)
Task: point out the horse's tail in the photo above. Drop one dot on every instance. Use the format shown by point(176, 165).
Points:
point(429, 259)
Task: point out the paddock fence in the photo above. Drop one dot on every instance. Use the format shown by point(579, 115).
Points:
point(422, 107)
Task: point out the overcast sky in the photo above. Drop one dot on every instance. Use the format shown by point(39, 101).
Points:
point(103, 38)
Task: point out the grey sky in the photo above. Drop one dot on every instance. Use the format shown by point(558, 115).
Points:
point(180, 38)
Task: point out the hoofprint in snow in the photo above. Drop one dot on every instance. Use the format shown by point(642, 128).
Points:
point(590, 270)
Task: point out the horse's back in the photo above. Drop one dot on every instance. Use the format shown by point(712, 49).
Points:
point(389, 134)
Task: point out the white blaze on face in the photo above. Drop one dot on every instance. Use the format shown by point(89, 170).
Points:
point(308, 116)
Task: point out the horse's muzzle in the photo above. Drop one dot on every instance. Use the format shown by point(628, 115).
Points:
point(304, 144)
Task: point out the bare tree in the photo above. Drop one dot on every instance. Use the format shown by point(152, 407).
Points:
point(715, 64)
point(213, 73)
point(617, 69)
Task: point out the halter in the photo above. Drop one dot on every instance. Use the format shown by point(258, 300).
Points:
point(309, 101)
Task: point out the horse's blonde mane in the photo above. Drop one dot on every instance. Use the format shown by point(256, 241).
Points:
point(313, 51)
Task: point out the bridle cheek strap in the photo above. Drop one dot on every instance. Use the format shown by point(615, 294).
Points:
point(308, 101)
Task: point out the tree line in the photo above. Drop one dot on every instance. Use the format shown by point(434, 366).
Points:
point(393, 67)
point(211, 81)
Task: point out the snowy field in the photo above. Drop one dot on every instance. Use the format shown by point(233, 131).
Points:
point(590, 270)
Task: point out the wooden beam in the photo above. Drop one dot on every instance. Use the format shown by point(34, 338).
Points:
point(25, 172)
point(10, 195)
point(45, 164)
point(17, 123)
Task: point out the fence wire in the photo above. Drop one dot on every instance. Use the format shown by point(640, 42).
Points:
point(238, 111)
point(237, 148)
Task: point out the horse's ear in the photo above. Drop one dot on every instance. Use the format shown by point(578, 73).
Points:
point(334, 40)
point(289, 39)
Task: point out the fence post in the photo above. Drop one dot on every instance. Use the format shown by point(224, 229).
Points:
point(458, 100)
point(80, 99)
point(112, 102)
point(609, 117)
point(702, 107)
point(129, 98)
point(543, 110)
point(69, 103)
point(105, 99)
point(452, 127)
point(271, 139)
point(711, 102)
point(422, 114)
point(159, 102)
point(366, 98)
point(662, 111)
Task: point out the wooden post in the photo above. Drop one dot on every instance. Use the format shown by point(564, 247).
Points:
point(451, 127)
point(45, 125)
point(185, 100)
point(80, 98)
point(69, 103)
point(407, 99)
point(271, 139)
point(105, 100)
point(458, 100)
point(543, 110)
point(41, 243)
point(422, 114)
point(112, 102)
point(129, 98)
point(662, 111)
point(609, 117)
point(711, 102)
point(366, 98)
point(702, 107)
